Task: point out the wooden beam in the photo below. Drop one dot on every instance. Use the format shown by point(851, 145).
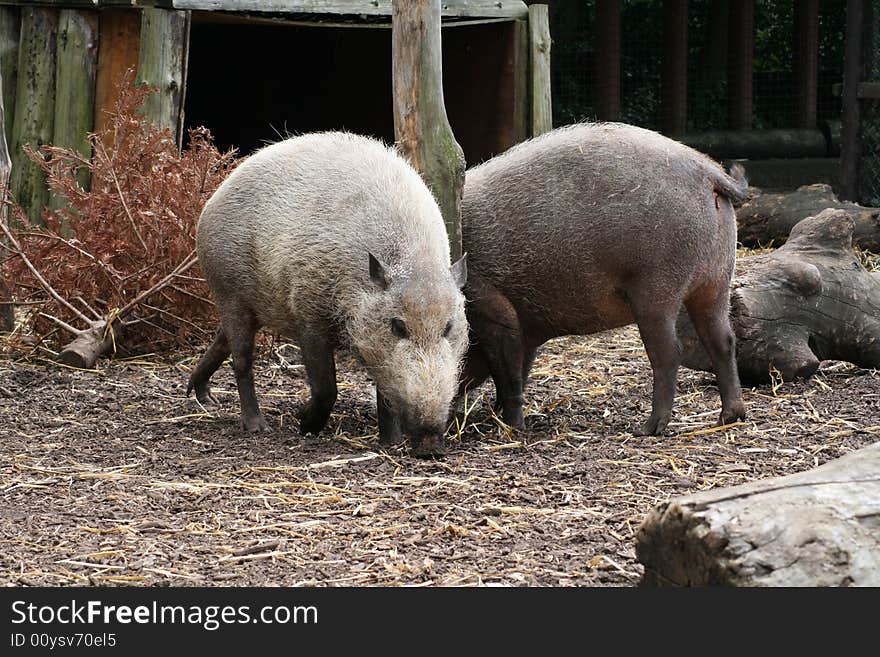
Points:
point(76, 66)
point(806, 61)
point(120, 38)
point(10, 24)
point(449, 8)
point(421, 127)
point(539, 40)
point(850, 146)
point(674, 74)
point(741, 43)
point(162, 63)
point(608, 60)
point(34, 106)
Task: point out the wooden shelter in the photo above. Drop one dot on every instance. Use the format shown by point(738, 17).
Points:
point(254, 70)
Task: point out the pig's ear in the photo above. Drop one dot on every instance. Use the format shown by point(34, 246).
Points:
point(459, 271)
point(377, 272)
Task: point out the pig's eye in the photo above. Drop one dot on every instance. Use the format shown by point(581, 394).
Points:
point(398, 328)
point(448, 329)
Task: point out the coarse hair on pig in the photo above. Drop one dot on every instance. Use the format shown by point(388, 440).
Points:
point(334, 240)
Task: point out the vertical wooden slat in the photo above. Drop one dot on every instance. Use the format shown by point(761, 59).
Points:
point(10, 25)
point(521, 103)
point(539, 42)
point(741, 40)
point(162, 63)
point(806, 61)
point(674, 70)
point(34, 106)
point(608, 59)
point(75, 85)
point(850, 147)
point(7, 311)
point(119, 43)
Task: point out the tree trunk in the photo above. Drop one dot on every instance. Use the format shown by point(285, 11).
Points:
point(814, 528)
point(808, 301)
point(769, 218)
point(421, 127)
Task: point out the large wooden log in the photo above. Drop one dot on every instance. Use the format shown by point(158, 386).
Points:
point(808, 301)
point(814, 528)
point(421, 127)
point(767, 219)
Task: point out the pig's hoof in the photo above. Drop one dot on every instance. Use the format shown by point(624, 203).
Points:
point(254, 424)
point(311, 422)
point(653, 426)
point(735, 413)
point(203, 392)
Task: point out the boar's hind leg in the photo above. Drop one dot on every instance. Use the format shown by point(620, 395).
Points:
point(501, 341)
point(213, 358)
point(389, 422)
point(240, 328)
point(708, 308)
point(317, 355)
point(657, 328)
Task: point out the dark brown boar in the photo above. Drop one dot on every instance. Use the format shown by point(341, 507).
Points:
point(591, 227)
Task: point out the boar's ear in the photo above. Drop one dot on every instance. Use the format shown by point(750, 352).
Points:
point(377, 272)
point(459, 271)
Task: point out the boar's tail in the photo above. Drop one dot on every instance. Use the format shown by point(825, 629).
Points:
point(734, 186)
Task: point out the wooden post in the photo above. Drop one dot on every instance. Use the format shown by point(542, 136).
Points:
point(741, 42)
point(806, 61)
point(120, 44)
point(75, 85)
point(10, 24)
point(850, 146)
point(542, 108)
point(34, 106)
point(675, 50)
point(608, 60)
point(521, 82)
point(7, 310)
point(164, 52)
point(421, 127)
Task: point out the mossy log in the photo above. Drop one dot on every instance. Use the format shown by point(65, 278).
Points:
point(814, 528)
point(768, 218)
point(808, 301)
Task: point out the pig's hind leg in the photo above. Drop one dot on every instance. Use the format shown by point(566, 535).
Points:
point(318, 358)
point(708, 308)
point(213, 358)
point(656, 322)
point(240, 326)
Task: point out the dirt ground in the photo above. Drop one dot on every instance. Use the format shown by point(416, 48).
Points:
point(113, 476)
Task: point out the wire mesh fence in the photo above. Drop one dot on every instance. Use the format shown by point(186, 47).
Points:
point(869, 178)
point(574, 30)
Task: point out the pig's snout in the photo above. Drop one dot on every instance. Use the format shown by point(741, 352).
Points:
point(427, 442)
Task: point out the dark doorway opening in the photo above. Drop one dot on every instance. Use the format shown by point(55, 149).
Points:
point(253, 84)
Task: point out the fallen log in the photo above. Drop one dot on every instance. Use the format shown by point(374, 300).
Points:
point(808, 301)
point(768, 218)
point(814, 528)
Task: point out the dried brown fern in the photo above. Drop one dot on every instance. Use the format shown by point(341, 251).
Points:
point(126, 235)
